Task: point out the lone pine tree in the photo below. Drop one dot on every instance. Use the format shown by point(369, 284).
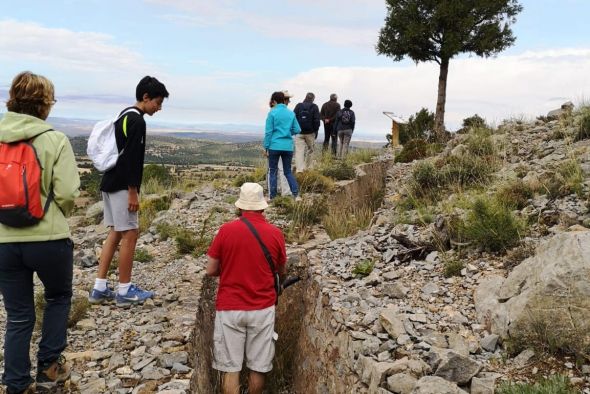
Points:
point(438, 30)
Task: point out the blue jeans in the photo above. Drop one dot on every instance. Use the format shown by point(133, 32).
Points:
point(53, 263)
point(273, 163)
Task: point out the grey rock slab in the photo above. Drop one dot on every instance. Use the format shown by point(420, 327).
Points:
point(94, 386)
point(169, 359)
point(401, 383)
point(489, 342)
point(457, 368)
point(436, 385)
point(391, 322)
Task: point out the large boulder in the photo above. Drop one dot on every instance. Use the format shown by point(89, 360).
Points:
point(552, 286)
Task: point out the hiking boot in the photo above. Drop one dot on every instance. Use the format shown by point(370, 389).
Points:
point(28, 390)
point(134, 296)
point(49, 375)
point(101, 297)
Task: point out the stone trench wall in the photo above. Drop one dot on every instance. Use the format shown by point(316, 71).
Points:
point(311, 355)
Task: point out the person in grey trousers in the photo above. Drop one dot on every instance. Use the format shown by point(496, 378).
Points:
point(344, 127)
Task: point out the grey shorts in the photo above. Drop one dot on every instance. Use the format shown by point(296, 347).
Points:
point(249, 332)
point(116, 211)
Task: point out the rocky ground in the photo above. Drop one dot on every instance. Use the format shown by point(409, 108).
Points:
point(406, 313)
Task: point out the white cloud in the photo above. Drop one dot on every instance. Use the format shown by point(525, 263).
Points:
point(65, 49)
point(497, 88)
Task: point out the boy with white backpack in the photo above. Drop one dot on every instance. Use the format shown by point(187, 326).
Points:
point(120, 192)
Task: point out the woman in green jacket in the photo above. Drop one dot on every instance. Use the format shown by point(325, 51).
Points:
point(44, 248)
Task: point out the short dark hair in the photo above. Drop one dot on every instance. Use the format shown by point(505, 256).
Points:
point(347, 103)
point(278, 97)
point(309, 97)
point(152, 87)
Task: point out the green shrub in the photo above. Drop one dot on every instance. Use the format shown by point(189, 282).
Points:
point(568, 179)
point(418, 127)
point(453, 267)
point(491, 226)
point(254, 176)
point(340, 224)
point(474, 122)
point(303, 216)
point(358, 156)
point(90, 183)
point(186, 241)
point(311, 181)
point(479, 142)
point(339, 170)
point(583, 124)
point(284, 204)
point(363, 268)
point(556, 384)
point(142, 255)
point(417, 149)
point(464, 171)
point(515, 194)
point(158, 172)
point(149, 208)
point(165, 230)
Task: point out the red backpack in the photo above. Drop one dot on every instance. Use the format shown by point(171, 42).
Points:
point(20, 184)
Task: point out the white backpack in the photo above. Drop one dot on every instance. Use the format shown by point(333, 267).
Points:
point(102, 145)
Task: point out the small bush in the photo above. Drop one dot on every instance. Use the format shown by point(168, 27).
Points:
point(568, 179)
point(165, 230)
point(583, 124)
point(479, 143)
point(556, 384)
point(159, 173)
point(453, 267)
point(90, 183)
point(417, 149)
point(255, 176)
point(303, 216)
point(339, 224)
point(311, 181)
point(363, 268)
point(149, 208)
point(142, 255)
point(548, 328)
point(284, 204)
point(515, 194)
point(339, 170)
point(186, 241)
point(474, 122)
point(419, 126)
point(491, 226)
point(464, 171)
point(359, 156)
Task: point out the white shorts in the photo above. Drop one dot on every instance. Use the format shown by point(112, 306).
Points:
point(249, 332)
point(116, 211)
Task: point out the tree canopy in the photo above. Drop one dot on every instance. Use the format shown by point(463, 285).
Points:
point(438, 30)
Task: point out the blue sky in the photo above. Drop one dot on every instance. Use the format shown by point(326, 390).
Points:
point(222, 59)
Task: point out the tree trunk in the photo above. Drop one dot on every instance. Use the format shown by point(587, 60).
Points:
point(439, 118)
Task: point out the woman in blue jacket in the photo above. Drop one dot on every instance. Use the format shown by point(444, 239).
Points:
point(281, 126)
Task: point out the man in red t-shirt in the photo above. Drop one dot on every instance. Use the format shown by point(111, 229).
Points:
point(246, 296)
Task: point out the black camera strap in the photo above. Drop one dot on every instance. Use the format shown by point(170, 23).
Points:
point(275, 273)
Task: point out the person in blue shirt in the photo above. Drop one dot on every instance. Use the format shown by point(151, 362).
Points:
point(281, 126)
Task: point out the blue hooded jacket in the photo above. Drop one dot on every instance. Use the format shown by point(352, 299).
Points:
point(281, 126)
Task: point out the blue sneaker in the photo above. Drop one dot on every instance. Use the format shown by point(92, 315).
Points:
point(101, 297)
point(134, 296)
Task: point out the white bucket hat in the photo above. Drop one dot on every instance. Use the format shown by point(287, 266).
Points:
point(251, 197)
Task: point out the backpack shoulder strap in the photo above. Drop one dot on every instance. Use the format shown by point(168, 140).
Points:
point(50, 195)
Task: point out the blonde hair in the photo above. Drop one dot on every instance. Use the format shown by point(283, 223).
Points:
point(31, 94)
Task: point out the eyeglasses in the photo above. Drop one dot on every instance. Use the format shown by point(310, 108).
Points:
point(52, 102)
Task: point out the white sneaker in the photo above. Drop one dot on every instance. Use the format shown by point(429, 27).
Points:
point(298, 198)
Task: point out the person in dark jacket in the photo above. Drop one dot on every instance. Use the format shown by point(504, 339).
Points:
point(328, 116)
point(308, 116)
point(344, 127)
point(120, 193)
